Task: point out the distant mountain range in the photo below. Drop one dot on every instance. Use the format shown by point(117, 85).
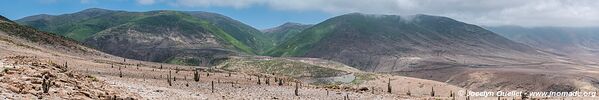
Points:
point(582, 43)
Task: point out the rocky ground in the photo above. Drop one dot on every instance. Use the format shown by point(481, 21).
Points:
point(21, 78)
point(150, 82)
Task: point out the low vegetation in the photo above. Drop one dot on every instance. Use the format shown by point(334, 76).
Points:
point(280, 67)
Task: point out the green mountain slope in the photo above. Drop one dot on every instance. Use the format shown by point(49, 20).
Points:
point(245, 33)
point(300, 44)
point(83, 25)
point(153, 35)
point(2, 18)
point(44, 39)
point(285, 31)
point(80, 25)
point(391, 42)
point(166, 36)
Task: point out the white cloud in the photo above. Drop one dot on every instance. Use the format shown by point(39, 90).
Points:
point(146, 2)
point(482, 12)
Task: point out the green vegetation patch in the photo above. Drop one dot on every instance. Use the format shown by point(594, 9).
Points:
point(183, 61)
point(363, 77)
point(92, 78)
point(300, 44)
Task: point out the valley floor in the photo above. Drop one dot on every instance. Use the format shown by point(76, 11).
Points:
point(98, 77)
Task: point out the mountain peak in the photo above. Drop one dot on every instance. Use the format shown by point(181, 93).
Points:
point(285, 31)
point(209, 15)
point(95, 10)
point(365, 14)
point(404, 17)
point(285, 26)
point(292, 24)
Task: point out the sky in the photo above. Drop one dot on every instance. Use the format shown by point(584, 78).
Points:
point(264, 14)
